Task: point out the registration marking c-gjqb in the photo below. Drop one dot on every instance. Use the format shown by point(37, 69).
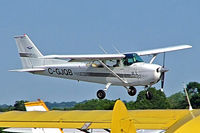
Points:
point(59, 71)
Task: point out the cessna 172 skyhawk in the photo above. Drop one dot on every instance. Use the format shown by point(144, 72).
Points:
point(123, 69)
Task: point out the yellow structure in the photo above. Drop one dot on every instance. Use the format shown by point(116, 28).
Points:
point(119, 120)
point(37, 103)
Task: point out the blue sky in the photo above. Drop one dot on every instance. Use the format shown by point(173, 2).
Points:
point(79, 27)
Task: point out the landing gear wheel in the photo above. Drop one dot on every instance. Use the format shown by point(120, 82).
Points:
point(132, 91)
point(149, 95)
point(101, 94)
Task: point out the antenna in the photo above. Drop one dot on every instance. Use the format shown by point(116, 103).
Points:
point(116, 49)
point(105, 52)
point(188, 100)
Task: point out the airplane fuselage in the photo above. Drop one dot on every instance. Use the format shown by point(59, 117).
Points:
point(137, 74)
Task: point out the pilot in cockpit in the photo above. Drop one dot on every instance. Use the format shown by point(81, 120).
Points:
point(131, 58)
point(117, 63)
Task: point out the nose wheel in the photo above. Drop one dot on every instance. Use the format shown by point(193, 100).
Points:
point(149, 95)
point(101, 94)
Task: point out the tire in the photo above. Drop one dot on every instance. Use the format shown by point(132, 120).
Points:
point(101, 94)
point(132, 91)
point(149, 95)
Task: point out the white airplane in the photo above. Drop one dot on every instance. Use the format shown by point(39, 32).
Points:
point(123, 69)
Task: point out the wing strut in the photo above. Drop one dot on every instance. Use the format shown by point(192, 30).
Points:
point(114, 74)
point(153, 58)
point(85, 127)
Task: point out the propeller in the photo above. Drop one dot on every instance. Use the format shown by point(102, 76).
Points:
point(163, 70)
point(162, 81)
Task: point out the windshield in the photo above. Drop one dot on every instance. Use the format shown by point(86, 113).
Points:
point(131, 58)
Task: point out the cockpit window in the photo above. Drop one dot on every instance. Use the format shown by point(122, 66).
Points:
point(131, 58)
point(137, 58)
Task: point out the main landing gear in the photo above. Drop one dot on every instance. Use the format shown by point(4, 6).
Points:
point(132, 91)
point(101, 94)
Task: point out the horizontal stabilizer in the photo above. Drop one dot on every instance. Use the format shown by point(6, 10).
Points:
point(28, 70)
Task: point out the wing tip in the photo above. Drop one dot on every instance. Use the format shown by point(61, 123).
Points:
point(189, 46)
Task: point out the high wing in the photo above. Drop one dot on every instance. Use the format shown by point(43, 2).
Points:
point(86, 57)
point(161, 50)
point(116, 56)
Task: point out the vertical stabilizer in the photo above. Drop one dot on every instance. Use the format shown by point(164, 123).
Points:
point(28, 52)
point(36, 106)
point(41, 106)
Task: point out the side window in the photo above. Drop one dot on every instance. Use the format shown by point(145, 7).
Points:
point(130, 61)
point(117, 64)
point(94, 64)
point(111, 63)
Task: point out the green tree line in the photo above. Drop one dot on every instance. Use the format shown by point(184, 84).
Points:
point(159, 101)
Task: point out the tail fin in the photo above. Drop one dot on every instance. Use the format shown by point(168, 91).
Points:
point(28, 52)
point(41, 106)
point(36, 106)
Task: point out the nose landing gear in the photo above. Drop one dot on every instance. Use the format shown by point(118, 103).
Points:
point(149, 95)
